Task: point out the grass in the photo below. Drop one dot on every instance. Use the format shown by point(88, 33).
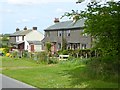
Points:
point(0, 64)
point(67, 74)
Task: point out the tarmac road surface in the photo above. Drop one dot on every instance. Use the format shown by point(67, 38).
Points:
point(7, 82)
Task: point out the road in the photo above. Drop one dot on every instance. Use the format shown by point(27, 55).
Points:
point(7, 82)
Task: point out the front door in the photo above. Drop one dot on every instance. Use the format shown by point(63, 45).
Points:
point(32, 47)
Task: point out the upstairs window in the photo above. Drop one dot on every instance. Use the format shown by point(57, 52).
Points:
point(59, 33)
point(17, 38)
point(68, 32)
point(23, 38)
point(47, 34)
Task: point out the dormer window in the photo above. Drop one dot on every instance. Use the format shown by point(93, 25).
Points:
point(68, 32)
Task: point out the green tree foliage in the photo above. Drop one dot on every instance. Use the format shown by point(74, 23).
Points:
point(64, 44)
point(102, 23)
point(48, 47)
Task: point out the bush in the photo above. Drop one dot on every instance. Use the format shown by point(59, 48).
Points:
point(52, 60)
point(25, 53)
point(7, 54)
point(104, 68)
point(5, 50)
point(42, 57)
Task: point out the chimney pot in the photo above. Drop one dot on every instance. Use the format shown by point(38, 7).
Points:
point(25, 28)
point(17, 29)
point(34, 28)
point(56, 20)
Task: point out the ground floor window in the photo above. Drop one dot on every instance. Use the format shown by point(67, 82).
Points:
point(83, 46)
point(59, 45)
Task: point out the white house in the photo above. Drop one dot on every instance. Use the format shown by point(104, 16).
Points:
point(27, 39)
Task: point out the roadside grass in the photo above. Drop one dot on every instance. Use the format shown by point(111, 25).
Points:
point(65, 74)
point(0, 64)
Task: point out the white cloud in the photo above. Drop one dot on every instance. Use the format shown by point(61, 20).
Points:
point(6, 11)
point(31, 2)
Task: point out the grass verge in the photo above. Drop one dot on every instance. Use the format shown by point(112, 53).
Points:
point(66, 74)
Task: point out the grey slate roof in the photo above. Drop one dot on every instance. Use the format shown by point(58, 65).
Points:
point(21, 32)
point(67, 25)
point(35, 42)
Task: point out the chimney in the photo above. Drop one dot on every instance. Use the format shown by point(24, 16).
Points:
point(25, 28)
point(34, 28)
point(17, 29)
point(56, 20)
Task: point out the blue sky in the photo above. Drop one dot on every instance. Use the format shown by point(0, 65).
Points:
point(30, 13)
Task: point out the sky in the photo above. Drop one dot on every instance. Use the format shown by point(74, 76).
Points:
point(34, 13)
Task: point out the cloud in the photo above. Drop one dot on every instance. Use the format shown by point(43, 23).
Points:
point(6, 11)
point(31, 2)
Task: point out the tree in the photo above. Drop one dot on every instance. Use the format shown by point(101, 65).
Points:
point(102, 23)
point(64, 44)
point(48, 47)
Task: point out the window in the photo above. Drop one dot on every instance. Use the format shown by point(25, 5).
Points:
point(27, 46)
point(17, 38)
point(23, 38)
point(47, 34)
point(83, 46)
point(68, 32)
point(59, 33)
point(59, 45)
point(75, 46)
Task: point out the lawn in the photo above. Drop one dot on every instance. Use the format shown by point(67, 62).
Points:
point(66, 74)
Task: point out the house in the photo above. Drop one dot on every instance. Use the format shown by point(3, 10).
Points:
point(26, 39)
point(71, 31)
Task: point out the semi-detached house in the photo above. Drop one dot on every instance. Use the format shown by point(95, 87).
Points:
point(70, 31)
point(27, 39)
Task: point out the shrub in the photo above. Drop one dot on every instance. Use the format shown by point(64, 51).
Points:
point(14, 53)
point(6, 50)
point(52, 60)
point(104, 68)
point(25, 53)
point(42, 57)
point(7, 54)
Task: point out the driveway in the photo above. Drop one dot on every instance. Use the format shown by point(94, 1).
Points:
point(7, 82)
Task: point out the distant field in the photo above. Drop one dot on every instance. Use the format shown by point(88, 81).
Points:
point(66, 74)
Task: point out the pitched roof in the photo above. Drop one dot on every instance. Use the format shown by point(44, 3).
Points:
point(67, 25)
point(21, 32)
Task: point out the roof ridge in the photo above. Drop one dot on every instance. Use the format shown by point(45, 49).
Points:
point(66, 25)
